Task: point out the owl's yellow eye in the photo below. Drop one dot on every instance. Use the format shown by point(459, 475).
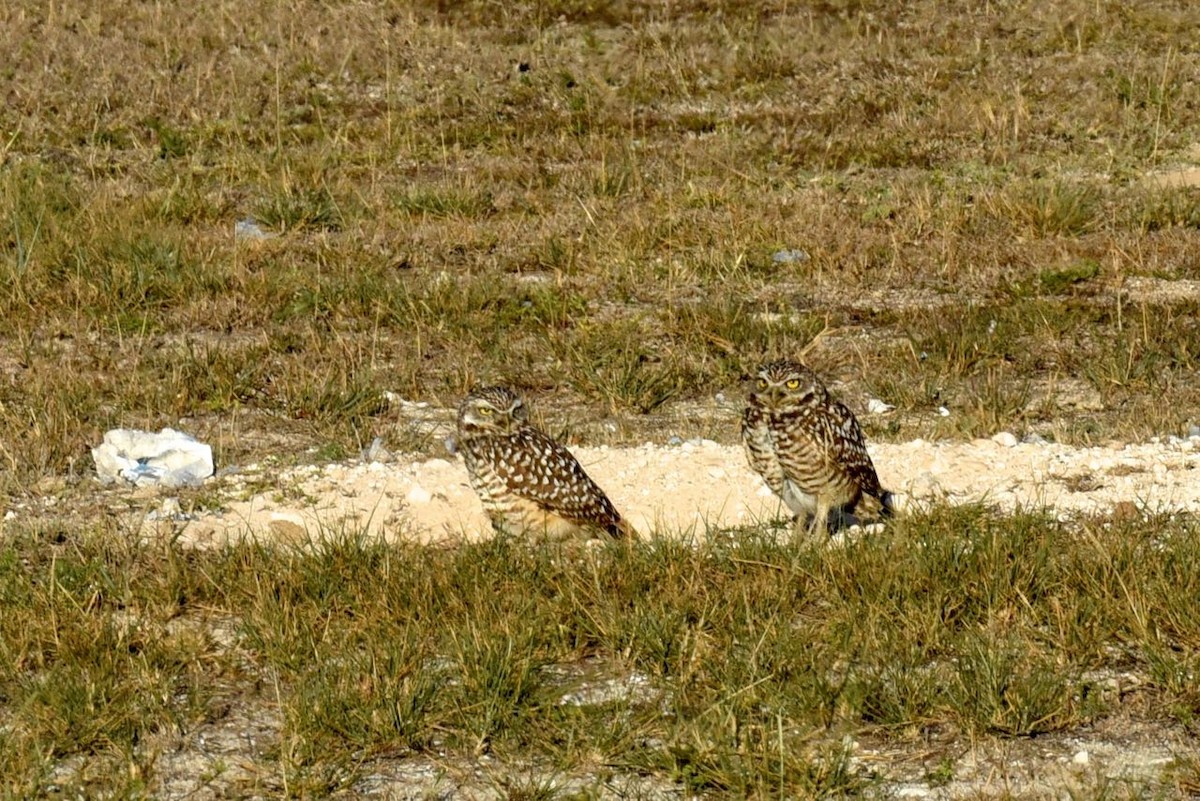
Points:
point(486, 411)
point(762, 383)
point(794, 383)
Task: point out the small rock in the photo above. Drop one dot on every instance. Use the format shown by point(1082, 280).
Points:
point(451, 443)
point(876, 406)
point(1125, 510)
point(1081, 758)
point(288, 527)
point(377, 453)
point(1005, 439)
point(418, 495)
point(675, 441)
point(1194, 432)
point(1034, 439)
point(943, 411)
point(913, 791)
point(789, 257)
point(247, 228)
point(720, 397)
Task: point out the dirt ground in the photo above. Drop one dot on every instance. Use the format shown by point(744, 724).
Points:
point(682, 488)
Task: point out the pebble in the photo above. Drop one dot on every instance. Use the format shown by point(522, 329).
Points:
point(418, 494)
point(247, 228)
point(377, 452)
point(789, 256)
point(876, 406)
point(1005, 439)
point(1081, 758)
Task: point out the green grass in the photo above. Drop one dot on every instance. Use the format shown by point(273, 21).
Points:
point(749, 659)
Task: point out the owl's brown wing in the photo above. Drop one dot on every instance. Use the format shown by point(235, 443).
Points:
point(848, 448)
point(760, 449)
point(541, 470)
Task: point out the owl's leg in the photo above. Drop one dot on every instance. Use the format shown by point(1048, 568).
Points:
point(843, 518)
point(818, 526)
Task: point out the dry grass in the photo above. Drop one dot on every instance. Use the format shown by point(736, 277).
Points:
point(584, 199)
point(598, 223)
point(735, 668)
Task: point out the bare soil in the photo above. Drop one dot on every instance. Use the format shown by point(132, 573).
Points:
point(686, 488)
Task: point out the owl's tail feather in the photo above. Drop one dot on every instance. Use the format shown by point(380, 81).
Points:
point(622, 530)
point(881, 506)
point(887, 504)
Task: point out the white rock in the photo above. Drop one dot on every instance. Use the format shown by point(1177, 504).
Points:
point(418, 495)
point(1005, 439)
point(913, 791)
point(943, 411)
point(247, 228)
point(1081, 758)
point(876, 406)
point(377, 452)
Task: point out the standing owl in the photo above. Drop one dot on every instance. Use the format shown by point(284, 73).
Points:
point(810, 450)
point(529, 484)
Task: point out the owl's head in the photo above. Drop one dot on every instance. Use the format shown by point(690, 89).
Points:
point(491, 410)
point(785, 385)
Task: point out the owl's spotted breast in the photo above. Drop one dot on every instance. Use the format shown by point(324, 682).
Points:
point(809, 448)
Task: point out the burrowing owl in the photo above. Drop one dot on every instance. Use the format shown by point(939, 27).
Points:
point(529, 484)
point(810, 450)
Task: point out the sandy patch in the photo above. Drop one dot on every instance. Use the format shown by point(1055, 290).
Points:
point(684, 489)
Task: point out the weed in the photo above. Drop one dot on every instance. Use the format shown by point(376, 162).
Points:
point(732, 667)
